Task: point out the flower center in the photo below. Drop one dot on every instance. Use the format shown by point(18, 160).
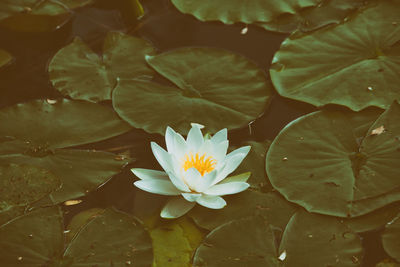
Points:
point(202, 163)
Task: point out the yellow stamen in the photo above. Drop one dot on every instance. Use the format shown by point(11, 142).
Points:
point(202, 163)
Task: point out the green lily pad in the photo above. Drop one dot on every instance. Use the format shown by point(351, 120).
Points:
point(273, 207)
point(255, 163)
point(80, 171)
point(391, 238)
point(214, 87)
point(80, 73)
point(308, 240)
point(338, 163)
point(5, 58)
point(79, 221)
point(245, 242)
point(354, 64)
point(48, 124)
point(110, 237)
point(37, 16)
point(374, 220)
point(174, 243)
point(281, 16)
point(32, 133)
point(22, 185)
point(315, 240)
point(313, 18)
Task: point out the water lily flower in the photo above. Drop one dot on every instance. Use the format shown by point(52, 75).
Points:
point(195, 171)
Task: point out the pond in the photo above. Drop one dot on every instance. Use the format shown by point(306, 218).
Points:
point(199, 133)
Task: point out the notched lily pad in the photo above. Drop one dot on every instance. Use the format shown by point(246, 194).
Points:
point(22, 185)
point(109, 237)
point(80, 73)
point(281, 16)
point(308, 240)
point(271, 206)
point(37, 16)
point(32, 133)
point(355, 64)
point(213, 87)
point(329, 163)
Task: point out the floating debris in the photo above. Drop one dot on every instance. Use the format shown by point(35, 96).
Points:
point(378, 131)
point(72, 202)
point(282, 257)
point(51, 101)
point(370, 88)
point(244, 30)
point(285, 159)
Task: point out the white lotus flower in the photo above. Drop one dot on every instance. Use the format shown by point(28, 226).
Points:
point(195, 171)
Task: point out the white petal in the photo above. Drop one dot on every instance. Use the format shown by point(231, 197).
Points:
point(220, 136)
point(195, 138)
point(180, 147)
point(192, 197)
point(227, 189)
point(232, 161)
point(178, 182)
point(170, 139)
point(146, 174)
point(192, 178)
point(157, 186)
point(176, 207)
point(219, 151)
point(212, 202)
point(162, 156)
point(206, 181)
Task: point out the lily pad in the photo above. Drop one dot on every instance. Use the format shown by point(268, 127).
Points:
point(110, 237)
point(255, 163)
point(80, 171)
point(22, 185)
point(308, 240)
point(48, 124)
point(274, 208)
point(245, 242)
point(80, 73)
point(315, 240)
point(213, 87)
point(340, 154)
point(5, 58)
point(172, 243)
point(281, 16)
point(32, 133)
point(37, 16)
point(354, 64)
point(391, 238)
point(374, 220)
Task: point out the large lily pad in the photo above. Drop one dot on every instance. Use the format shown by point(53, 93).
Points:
point(110, 237)
point(308, 240)
point(315, 240)
point(49, 124)
point(282, 16)
point(391, 238)
point(37, 16)
point(22, 185)
point(245, 242)
point(214, 87)
point(354, 64)
point(338, 163)
point(80, 73)
point(80, 171)
point(274, 208)
point(32, 133)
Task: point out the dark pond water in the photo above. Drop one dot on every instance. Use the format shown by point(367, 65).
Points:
point(167, 29)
